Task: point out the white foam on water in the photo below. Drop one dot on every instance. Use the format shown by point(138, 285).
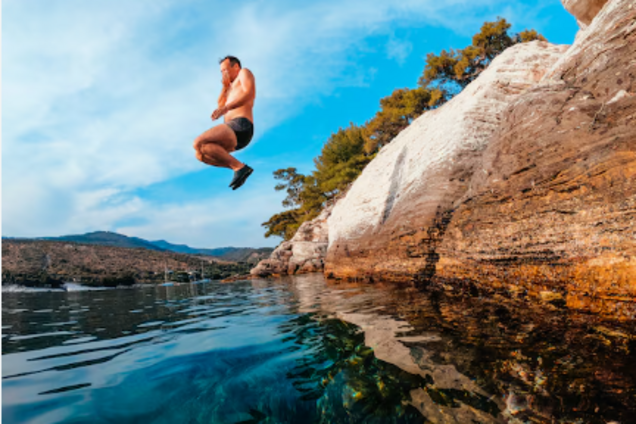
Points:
point(14, 288)
point(66, 287)
point(74, 287)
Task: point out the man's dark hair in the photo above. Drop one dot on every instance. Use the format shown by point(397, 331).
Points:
point(233, 60)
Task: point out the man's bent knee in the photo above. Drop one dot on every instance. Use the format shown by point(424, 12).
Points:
point(201, 142)
point(198, 142)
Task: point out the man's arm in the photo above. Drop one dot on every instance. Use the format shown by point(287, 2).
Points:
point(249, 90)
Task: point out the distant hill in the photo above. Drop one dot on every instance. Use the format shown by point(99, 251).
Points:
point(183, 248)
point(236, 254)
point(50, 263)
point(108, 238)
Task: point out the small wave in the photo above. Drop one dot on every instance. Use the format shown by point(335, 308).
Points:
point(59, 324)
point(33, 336)
point(80, 340)
point(150, 324)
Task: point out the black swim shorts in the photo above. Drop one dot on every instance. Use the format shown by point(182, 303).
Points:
point(244, 130)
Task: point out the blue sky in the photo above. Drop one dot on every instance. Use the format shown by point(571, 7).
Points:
point(102, 100)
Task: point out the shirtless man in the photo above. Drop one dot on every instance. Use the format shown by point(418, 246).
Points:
point(235, 103)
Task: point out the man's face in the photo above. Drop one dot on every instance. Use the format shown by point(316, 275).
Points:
point(229, 72)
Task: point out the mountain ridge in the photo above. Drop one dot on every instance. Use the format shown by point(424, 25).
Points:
point(113, 239)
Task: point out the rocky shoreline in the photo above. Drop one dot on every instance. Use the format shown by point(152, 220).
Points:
point(304, 253)
point(523, 183)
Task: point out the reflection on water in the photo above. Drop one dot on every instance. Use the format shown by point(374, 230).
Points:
point(299, 350)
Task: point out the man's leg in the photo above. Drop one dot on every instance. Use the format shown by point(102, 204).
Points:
point(215, 155)
point(206, 159)
point(214, 145)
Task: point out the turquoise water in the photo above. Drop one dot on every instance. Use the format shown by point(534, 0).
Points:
point(299, 350)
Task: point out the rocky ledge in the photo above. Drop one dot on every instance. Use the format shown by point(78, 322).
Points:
point(304, 253)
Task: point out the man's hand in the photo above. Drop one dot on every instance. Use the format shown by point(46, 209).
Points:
point(225, 79)
point(219, 112)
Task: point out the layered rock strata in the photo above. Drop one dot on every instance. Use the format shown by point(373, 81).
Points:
point(527, 179)
point(304, 253)
point(398, 207)
point(555, 206)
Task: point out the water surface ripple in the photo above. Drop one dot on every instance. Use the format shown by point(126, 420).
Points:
point(299, 350)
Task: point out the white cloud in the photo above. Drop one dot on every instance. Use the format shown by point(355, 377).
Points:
point(398, 49)
point(104, 97)
point(225, 220)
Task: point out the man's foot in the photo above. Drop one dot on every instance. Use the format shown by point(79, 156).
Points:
point(240, 176)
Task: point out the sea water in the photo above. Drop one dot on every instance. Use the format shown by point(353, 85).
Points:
point(301, 350)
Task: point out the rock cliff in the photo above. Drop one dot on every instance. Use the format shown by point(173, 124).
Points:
point(383, 225)
point(304, 253)
point(524, 180)
point(584, 10)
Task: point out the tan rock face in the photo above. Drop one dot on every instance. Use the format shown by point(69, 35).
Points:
point(304, 253)
point(556, 205)
point(534, 188)
point(584, 10)
point(396, 208)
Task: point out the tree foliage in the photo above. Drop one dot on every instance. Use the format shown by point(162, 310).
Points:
point(341, 160)
point(283, 224)
point(530, 35)
point(453, 70)
point(397, 111)
point(293, 185)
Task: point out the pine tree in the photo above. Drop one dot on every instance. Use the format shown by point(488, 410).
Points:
point(452, 71)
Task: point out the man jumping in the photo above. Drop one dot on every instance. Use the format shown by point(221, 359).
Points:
point(235, 103)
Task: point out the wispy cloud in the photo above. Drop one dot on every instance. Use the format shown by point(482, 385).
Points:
point(101, 98)
point(398, 49)
point(225, 220)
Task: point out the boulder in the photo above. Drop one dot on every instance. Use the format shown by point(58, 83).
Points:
point(303, 253)
point(584, 10)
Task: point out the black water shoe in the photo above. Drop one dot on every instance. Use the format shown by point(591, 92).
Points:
point(240, 176)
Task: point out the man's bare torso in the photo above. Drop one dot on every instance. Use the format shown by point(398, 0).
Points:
point(236, 90)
